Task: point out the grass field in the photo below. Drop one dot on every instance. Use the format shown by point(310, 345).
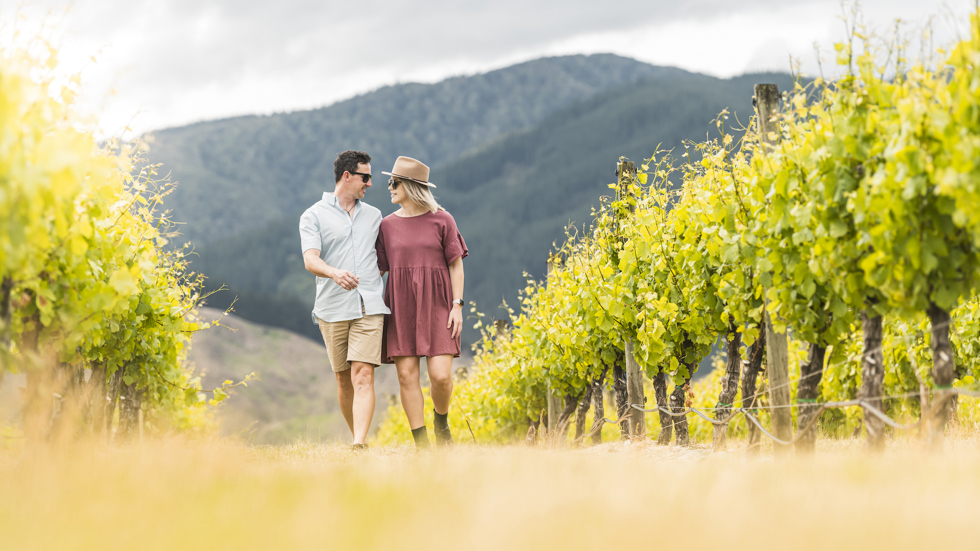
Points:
point(176, 494)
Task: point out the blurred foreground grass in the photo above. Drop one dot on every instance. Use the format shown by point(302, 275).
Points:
point(176, 495)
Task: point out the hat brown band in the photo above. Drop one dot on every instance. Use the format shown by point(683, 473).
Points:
point(408, 168)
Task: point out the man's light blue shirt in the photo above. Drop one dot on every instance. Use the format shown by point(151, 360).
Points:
point(345, 243)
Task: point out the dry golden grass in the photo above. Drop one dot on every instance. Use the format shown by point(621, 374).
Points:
point(176, 495)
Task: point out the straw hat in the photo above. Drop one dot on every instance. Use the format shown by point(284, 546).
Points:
point(408, 168)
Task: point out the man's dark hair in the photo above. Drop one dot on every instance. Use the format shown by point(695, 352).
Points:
point(347, 162)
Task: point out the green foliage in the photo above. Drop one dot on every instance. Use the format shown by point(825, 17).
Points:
point(86, 275)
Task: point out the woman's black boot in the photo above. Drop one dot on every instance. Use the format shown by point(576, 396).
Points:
point(421, 437)
point(443, 436)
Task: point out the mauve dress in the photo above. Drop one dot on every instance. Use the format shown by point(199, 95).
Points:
point(416, 253)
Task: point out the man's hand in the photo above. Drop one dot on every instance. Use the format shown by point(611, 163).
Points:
point(345, 279)
point(316, 266)
point(455, 320)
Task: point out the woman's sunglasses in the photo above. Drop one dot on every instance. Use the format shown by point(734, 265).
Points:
point(393, 184)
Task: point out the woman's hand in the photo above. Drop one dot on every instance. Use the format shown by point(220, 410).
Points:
point(455, 320)
point(456, 314)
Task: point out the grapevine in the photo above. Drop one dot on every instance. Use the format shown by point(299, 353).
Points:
point(851, 225)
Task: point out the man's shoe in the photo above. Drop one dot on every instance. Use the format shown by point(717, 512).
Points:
point(443, 436)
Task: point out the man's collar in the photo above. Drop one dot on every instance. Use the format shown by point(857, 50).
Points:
point(332, 199)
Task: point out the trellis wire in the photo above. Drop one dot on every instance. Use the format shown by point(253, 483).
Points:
point(813, 421)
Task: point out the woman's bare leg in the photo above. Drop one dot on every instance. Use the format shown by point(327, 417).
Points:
point(410, 389)
point(441, 379)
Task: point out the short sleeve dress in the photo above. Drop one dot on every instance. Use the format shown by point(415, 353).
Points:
point(416, 252)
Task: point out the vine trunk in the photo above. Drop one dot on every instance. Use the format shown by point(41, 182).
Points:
point(561, 429)
point(750, 376)
point(677, 399)
point(581, 412)
point(943, 368)
point(109, 406)
point(872, 377)
point(598, 408)
point(729, 385)
point(622, 400)
point(666, 421)
point(130, 403)
point(811, 372)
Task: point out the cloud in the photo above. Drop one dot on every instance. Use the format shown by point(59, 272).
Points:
point(185, 60)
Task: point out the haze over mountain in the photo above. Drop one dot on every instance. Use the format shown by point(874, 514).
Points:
point(517, 153)
point(237, 173)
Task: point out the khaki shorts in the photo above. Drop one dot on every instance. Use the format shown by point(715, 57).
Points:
point(353, 341)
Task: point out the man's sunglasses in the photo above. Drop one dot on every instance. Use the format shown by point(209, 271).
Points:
point(364, 177)
point(393, 184)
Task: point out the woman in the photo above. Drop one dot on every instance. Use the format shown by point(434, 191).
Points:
point(421, 248)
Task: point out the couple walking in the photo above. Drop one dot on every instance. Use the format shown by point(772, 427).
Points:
point(364, 322)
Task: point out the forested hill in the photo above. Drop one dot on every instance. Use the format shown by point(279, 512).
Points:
point(240, 173)
point(512, 193)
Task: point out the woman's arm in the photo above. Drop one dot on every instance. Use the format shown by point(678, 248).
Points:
point(379, 248)
point(456, 312)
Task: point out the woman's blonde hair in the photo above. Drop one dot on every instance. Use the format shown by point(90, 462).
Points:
point(420, 194)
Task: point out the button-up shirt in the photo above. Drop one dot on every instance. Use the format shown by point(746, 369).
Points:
point(345, 242)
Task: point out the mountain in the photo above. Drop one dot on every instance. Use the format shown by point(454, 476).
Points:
point(241, 173)
point(512, 197)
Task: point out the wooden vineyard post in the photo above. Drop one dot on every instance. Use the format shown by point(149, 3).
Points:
point(625, 171)
point(554, 398)
point(777, 348)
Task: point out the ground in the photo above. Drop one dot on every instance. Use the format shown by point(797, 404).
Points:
point(180, 494)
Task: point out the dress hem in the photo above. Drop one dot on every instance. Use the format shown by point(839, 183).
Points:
point(389, 360)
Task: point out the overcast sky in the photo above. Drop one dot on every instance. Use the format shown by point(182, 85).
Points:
point(169, 62)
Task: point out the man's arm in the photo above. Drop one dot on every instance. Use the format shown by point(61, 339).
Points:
point(315, 265)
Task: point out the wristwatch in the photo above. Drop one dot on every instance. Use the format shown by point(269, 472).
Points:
point(458, 301)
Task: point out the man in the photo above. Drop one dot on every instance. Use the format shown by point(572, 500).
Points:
point(338, 235)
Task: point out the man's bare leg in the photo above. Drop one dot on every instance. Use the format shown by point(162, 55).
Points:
point(362, 377)
point(345, 397)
